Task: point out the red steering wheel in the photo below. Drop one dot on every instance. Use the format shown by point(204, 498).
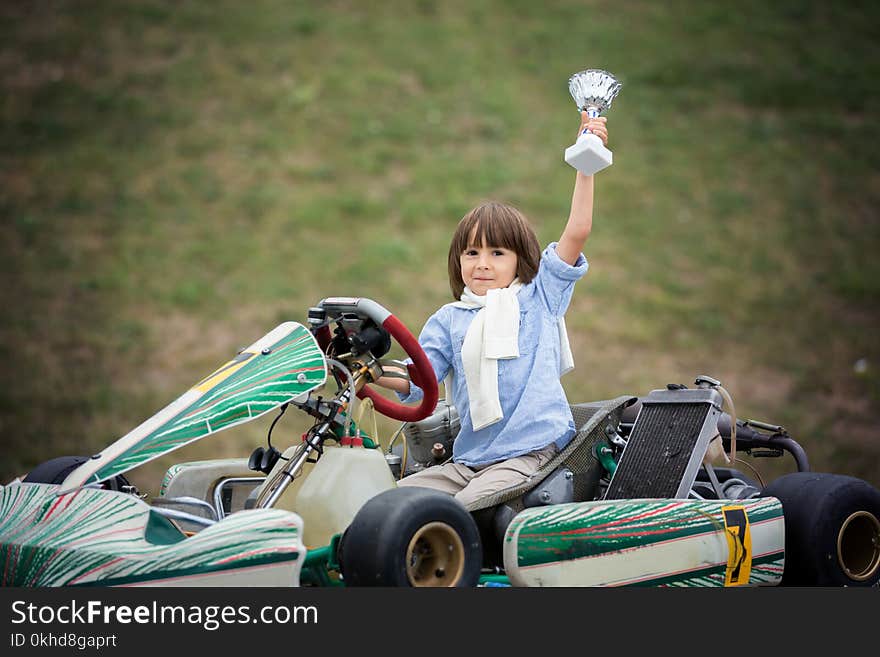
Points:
point(421, 372)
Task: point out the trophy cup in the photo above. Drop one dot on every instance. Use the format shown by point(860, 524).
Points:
point(592, 90)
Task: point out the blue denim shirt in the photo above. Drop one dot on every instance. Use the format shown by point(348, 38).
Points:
point(534, 404)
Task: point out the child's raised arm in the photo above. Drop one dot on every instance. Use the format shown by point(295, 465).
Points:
point(580, 219)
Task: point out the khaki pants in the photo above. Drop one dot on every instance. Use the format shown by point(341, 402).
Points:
point(471, 484)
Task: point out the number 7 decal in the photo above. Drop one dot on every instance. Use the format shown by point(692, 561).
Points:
point(739, 543)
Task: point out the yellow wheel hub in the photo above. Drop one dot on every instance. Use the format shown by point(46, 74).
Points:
point(858, 546)
point(435, 556)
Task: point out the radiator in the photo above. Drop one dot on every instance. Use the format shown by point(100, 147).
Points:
point(666, 445)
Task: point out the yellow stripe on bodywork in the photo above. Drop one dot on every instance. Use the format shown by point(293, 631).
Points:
point(739, 544)
point(224, 372)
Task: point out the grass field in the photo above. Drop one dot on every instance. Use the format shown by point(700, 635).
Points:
point(176, 178)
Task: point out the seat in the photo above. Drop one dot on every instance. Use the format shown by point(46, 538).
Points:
point(595, 421)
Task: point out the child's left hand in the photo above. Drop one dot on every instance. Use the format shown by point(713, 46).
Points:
point(597, 126)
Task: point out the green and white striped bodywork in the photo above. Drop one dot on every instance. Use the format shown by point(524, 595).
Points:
point(96, 537)
point(647, 542)
point(284, 364)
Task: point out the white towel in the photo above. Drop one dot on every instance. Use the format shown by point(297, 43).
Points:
point(493, 335)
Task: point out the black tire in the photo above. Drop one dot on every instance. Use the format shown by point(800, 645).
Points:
point(832, 529)
point(55, 471)
point(411, 536)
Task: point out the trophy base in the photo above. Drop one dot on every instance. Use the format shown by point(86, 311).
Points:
point(588, 155)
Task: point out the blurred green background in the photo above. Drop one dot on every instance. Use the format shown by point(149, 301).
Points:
point(176, 178)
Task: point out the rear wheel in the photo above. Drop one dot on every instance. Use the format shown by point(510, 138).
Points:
point(411, 537)
point(832, 529)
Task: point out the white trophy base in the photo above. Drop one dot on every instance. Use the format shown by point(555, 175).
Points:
point(588, 154)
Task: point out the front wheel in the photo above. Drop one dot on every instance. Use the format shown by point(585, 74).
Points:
point(55, 471)
point(411, 536)
point(832, 529)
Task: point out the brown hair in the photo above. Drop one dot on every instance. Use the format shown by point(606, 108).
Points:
point(495, 224)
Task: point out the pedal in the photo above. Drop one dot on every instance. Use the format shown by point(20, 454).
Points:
point(667, 444)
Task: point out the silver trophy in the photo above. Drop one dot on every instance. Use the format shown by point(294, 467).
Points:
point(592, 90)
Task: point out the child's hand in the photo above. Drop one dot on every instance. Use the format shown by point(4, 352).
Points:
point(596, 126)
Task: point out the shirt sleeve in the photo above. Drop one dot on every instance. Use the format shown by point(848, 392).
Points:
point(556, 278)
point(437, 344)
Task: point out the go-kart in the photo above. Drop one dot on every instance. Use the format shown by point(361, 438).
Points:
point(647, 493)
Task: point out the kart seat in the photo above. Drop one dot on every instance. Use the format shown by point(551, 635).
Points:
point(576, 462)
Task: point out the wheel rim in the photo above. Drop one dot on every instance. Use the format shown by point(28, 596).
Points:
point(858, 546)
point(435, 556)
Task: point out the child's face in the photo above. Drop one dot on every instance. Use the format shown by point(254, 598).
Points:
point(486, 268)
